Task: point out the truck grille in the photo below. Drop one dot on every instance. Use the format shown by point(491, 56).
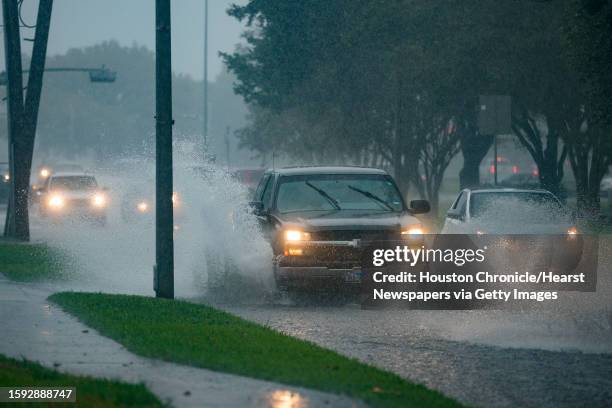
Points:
point(349, 235)
point(333, 256)
point(79, 202)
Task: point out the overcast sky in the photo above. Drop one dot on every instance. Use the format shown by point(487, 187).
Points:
point(78, 23)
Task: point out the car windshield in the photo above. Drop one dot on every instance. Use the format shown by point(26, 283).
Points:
point(512, 207)
point(73, 183)
point(338, 192)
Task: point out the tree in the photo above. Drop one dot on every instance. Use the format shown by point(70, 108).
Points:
point(112, 120)
point(587, 35)
point(590, 156)
point(345, 83)
point(343, 79)
point(543, 145)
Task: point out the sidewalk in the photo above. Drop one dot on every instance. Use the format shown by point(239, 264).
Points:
point(37, 330)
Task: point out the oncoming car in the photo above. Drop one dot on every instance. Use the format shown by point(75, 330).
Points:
point(138, 204)
point(5, 182)
point(73, 196)
point(319, 220)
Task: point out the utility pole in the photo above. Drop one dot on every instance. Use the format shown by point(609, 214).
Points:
point(164, 223)
point(227, 147)
point(205, 119)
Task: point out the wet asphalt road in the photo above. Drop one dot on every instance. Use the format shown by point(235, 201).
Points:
point(559, 355)
point(470, 355)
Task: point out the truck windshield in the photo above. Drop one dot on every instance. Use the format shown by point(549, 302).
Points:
point(74, 183)
point(338, 192)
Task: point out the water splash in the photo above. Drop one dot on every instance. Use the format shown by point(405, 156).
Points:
point(214, 233)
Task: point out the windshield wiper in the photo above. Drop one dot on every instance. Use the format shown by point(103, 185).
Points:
point(329, 198)
point(373, 197)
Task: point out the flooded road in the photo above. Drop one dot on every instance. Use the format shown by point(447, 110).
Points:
point(557, 356)
point(456, 352)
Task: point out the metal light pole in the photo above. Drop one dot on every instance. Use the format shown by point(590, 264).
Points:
point(495, 118)
point(227, 147)
point(164, 223)
point(205, 119)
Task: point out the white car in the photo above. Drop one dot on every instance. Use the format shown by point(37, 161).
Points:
point(508, 211)
point(523, 229)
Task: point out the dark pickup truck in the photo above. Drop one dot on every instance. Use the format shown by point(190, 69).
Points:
point(319, 220)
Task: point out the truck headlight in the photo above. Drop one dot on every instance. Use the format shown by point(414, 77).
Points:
point(413, 231)
point(98, 200)
point(56, 201)
point(296, 236)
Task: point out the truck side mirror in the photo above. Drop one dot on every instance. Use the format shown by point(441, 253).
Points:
point(419, 206)
point(257, 207)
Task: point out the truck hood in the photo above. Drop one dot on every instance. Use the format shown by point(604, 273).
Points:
point(347, 219)
point(519, 228)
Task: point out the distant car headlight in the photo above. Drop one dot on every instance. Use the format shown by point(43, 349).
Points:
point(98, 200)
point(142, 207)
point(296, 236)
point(6, 177)
point(572, 231)
point(413, 231)
point(56, 202)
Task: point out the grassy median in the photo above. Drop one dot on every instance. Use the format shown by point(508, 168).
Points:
point(32, 262)
point(199, 335)
point(90, 392)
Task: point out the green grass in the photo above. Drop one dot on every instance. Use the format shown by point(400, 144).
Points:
point(32, 262)
point(199, 335)
point(90, 392)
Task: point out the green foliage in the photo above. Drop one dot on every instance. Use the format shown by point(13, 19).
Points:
point(199, 335)
point(588, 46)
point(393, 84)
point(377, 82)
point(91, 393)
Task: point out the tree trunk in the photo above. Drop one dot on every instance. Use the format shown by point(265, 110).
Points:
point(550, 163)
point(589, 157)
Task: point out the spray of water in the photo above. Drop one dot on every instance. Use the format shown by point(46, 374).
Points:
point(577, 320)
point(218, 246)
